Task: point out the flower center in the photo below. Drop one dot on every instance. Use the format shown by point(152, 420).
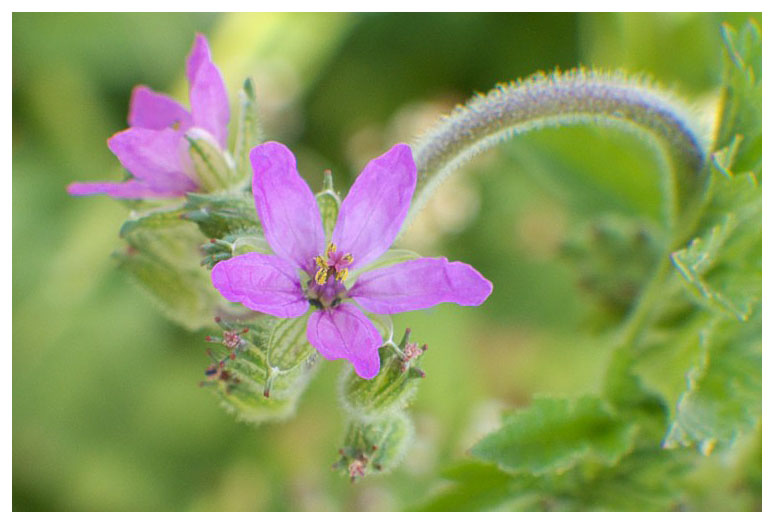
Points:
point(332, 264)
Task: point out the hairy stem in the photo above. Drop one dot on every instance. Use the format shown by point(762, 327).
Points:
point(574, 97)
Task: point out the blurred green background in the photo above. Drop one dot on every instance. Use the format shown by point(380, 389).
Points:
point(107, 414)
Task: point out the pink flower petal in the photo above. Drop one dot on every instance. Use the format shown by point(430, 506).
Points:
point(199, 54)
point(344, 332)
point(286, 206)
point(148, 109)
point(157, 157)
point(376, 206)
point(264, 283)
point(207, 92)
point(131, 189)
point(418, 284)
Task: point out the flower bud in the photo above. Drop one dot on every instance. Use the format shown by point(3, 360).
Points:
point(374, 447)
point(391, 389)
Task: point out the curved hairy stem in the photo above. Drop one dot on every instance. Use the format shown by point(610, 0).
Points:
point(574, 97)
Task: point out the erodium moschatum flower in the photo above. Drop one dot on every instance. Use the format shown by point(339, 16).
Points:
point(307, 269)
point(154, 148)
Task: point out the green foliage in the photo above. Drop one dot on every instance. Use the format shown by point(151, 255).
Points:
point(685, 368)
point(613, 257)
point(105, 419)
point(722, 400)
point(553, 435)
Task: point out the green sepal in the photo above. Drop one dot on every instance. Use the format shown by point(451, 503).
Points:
point(219, 215)
point(163, 262)
point(266, 365)
point(217, 250)
point(391, 389)
point(213, 167)
point(154, 219)
point(328, 203)
point(374, 447)
point(249, 133)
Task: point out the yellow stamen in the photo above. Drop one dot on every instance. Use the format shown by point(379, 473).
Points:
point(342, 274)
point(321, 276)
point(320, 261)
point(348, 258)
point(330, 249)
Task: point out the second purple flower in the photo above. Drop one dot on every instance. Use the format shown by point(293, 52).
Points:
point(308, 269)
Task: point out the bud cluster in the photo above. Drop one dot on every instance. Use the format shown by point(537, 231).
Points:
point(379, 430)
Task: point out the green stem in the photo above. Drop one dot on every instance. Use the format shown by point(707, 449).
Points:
point(574, 97)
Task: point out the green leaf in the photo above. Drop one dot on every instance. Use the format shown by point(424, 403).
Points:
point(476, 487)
point(722, 400)
point(732, 249)
point(741, 108)
point(555, 434)
point(249, 133)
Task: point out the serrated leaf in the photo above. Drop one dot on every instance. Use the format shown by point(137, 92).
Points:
point(555, 434)
point(476, 487)
point(741, 109)
point(732, 249)
point(723, 395)
point(249, 133)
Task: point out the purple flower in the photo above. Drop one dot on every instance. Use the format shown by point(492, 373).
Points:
point(154, 148)
point(306, 270)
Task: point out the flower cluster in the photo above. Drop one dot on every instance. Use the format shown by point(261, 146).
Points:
point(154, 149)
point(306, 267)
point(307, 270)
